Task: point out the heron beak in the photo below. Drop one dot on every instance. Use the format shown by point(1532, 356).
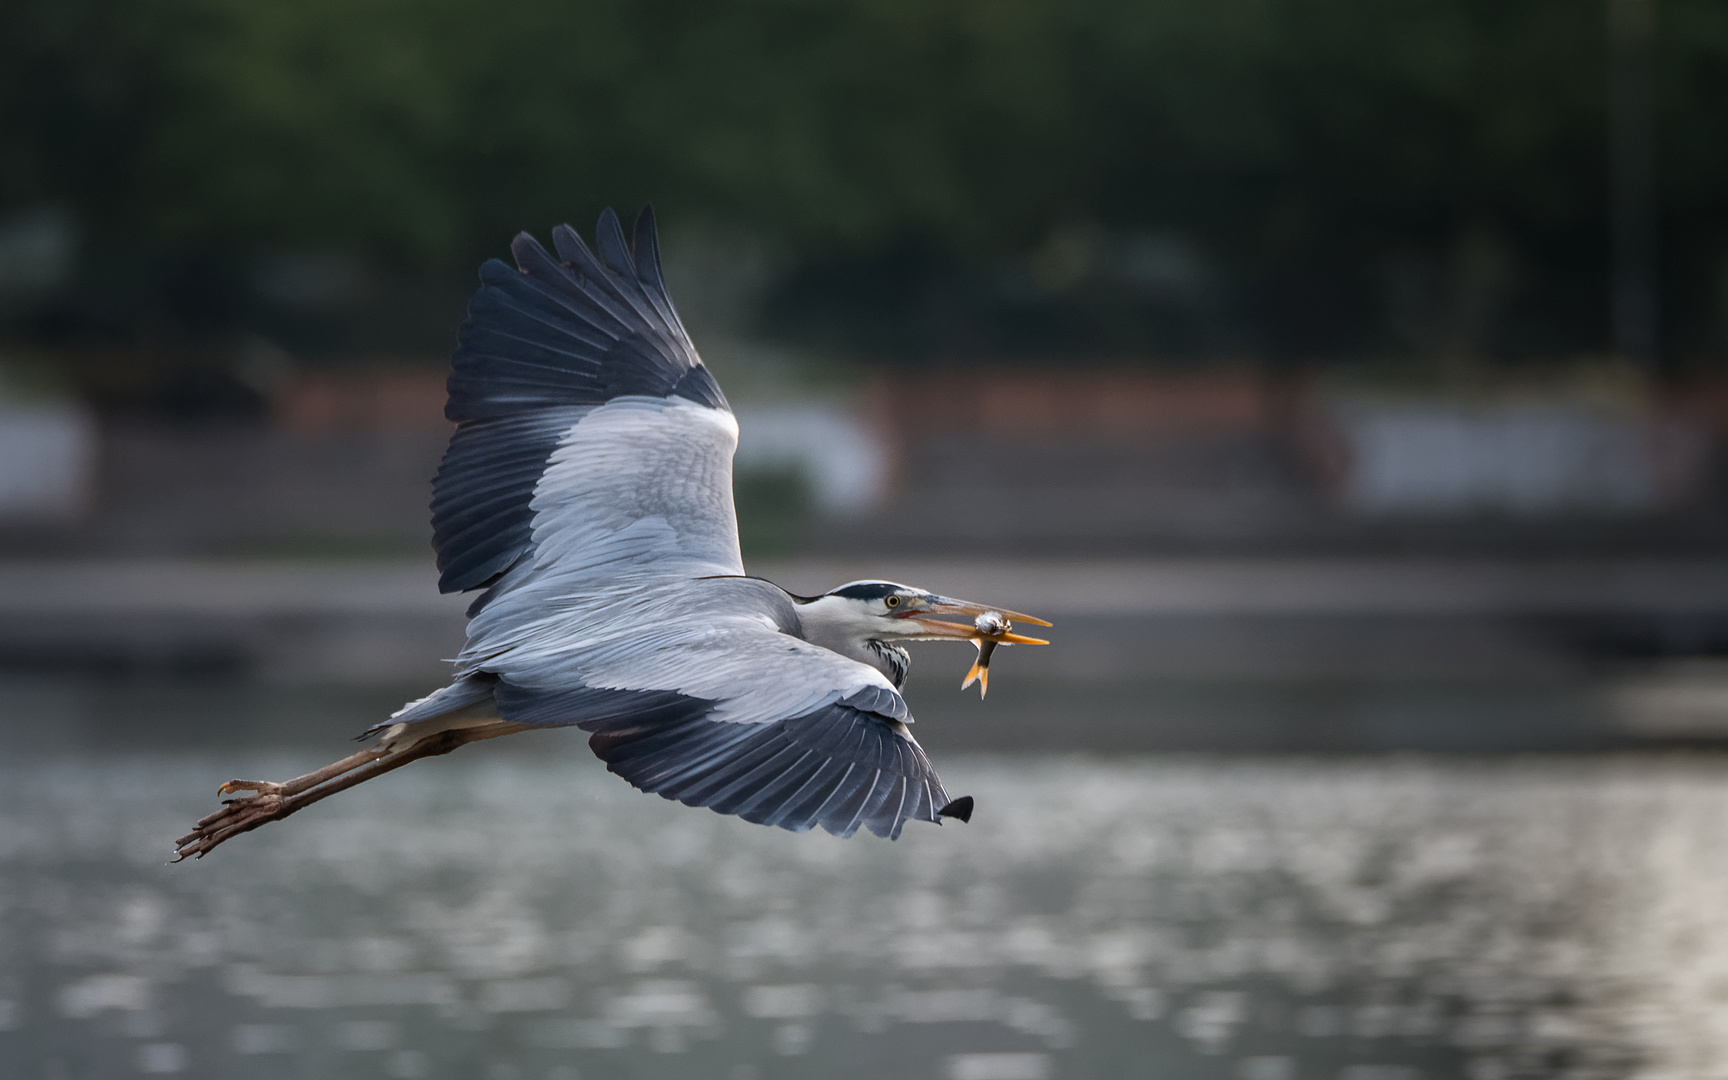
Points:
point(938, 628)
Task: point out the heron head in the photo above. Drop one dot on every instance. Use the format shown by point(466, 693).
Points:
point(887, 611)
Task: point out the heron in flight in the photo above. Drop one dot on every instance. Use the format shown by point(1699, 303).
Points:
point(587, 492)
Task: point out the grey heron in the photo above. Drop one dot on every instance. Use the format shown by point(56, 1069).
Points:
point(587, 495)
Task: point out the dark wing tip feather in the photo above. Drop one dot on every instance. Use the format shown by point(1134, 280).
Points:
point(645, 243)
point(532, 258)
point(613, 248)
point(645, 240)
point(571, 248)
point(960, 808)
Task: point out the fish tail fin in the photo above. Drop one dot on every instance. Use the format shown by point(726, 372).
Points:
point(978, 674)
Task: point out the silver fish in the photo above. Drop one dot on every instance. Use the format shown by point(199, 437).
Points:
point(992, 630)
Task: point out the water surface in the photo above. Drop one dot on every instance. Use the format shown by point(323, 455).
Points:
point(525, 916)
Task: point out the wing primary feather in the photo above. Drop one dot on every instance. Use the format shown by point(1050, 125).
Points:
point(821, 812)
point(767, 793)
point(687, 741)
point(530, 358)
point(804, 807)
point(628, 283)
point(901, 754)
point(572, 248)
point(856, 737)
point(844, 819)
point(561, 283)
point(766, 753)
point(673, 764)
point(795, 811)
point(699, 386)
point(938, 799)
point(684, 760)
point(535, 261)
point(593, 279)
point(870, 814)
point(479, 567)
point(722, 782)
point(903, 814)
point(827, 739)
point(531, 256)
point(645, 239)
point(889, 824)
point(483, 506)
point(614, 251)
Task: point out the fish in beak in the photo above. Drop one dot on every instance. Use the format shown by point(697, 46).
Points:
point(990, 628)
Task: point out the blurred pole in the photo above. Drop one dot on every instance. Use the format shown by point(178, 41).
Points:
point(1632, 177)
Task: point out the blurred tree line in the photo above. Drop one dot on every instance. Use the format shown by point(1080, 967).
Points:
point(1278, 179)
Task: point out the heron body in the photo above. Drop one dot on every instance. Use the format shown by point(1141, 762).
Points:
point(586, 496)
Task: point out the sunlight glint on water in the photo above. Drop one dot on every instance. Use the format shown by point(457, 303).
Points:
point(1167, 917)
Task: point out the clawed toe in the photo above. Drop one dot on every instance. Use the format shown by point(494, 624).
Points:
point(263, 787)
point(236, 816)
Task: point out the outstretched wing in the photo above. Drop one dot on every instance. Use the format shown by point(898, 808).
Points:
point(694, 690)
point(842, 766)
point(591, 442)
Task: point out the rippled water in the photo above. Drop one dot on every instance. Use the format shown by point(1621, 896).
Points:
point(532, 917)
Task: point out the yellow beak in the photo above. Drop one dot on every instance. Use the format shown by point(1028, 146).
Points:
point(934, 629)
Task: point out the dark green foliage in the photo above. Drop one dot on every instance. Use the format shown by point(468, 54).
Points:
point(1342, 176)
point(775, 510)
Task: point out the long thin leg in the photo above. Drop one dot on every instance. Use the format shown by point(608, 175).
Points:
point(274, 801)
point(310, 780)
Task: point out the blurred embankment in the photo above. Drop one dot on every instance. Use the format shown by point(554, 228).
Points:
point(1114, 459)
point(1200, 653)
point(1074, 462)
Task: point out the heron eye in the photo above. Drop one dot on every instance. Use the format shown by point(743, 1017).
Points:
point(892, 601)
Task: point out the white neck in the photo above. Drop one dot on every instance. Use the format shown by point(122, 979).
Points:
point(839, 624)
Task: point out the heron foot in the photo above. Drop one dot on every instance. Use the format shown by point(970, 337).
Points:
point(236, 816)
point(268, 802)
point(262, 787)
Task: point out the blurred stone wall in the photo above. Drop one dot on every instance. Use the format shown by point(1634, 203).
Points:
point(1070, 463)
